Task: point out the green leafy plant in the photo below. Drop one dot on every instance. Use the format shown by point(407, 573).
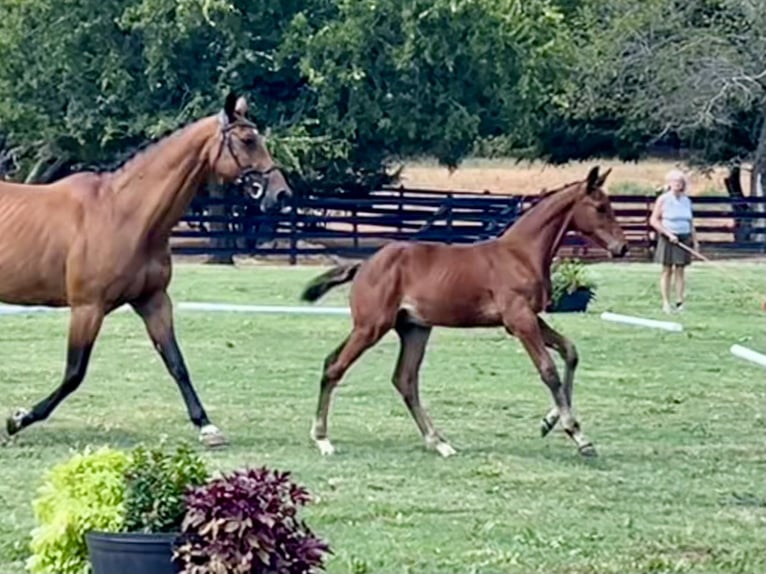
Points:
point(156, 482)
point(568, 276)
point(86, 492)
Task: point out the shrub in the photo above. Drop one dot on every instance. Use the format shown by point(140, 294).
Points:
point(247, 522)
point(156, 482)
point(84, 493)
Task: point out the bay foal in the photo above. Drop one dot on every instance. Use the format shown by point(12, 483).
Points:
point(94, 241)
point(411, 287)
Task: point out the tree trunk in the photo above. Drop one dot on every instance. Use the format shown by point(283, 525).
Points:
point(758, 178)
point(219, 243)
point(742, 225)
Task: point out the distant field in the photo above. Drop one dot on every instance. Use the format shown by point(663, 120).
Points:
point(677, 419)
point(506, 176)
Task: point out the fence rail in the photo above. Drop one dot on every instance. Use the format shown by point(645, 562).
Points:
point(356, 227)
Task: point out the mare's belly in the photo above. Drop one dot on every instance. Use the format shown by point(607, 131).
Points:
point(31, 278)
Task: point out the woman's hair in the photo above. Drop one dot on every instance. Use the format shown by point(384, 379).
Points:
point(674, 174)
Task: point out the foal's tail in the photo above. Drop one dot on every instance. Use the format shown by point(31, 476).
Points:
point(329, 279)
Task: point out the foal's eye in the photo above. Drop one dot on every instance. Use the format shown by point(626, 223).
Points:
point(249, 141)
point(601, 209)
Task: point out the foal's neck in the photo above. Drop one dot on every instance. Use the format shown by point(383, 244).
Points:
point(154, 190)
point(541, 230)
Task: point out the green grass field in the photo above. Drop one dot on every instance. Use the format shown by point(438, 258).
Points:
point(678, 422)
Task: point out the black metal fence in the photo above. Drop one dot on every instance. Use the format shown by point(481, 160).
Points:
point(351, 227)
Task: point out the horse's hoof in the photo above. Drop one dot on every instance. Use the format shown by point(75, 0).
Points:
point(212, 437)
point(325, 446)
point(15, 422)
point(444, 449)
point(546, 427)
point(588, 450)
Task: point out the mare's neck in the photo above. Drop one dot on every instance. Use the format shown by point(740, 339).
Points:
point(541, 230)
point(154, 189)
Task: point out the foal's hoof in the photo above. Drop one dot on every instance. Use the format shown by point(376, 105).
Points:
point(212, 437)
point(444, 449)
point(588, 450)
point(325, 446)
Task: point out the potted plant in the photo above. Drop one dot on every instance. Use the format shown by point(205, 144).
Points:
point(572, 289)
point(247, 522)
point(155, 484)
point(150, 511)
point(113, 512)
point(83, 493)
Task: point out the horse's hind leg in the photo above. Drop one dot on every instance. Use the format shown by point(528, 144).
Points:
point(157, 314)
point(335, 366)
point(413, 339)
point(84, 325)
point(566, 349)
point(524, 323)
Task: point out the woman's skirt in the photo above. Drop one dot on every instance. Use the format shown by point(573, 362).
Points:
point(671, 254)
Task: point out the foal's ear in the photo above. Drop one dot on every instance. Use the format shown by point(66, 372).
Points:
point(241, 107)
point(230, 106)
point(602, 177)
point(592, 180)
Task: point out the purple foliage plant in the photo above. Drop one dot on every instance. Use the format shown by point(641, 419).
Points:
point(246, 522)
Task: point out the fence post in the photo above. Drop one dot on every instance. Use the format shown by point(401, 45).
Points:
point(355, 224)
point(294, 233)
point(449, 219)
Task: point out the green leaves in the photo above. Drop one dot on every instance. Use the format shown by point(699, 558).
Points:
point(113, 491)
point(156, 482)
point(81, 494)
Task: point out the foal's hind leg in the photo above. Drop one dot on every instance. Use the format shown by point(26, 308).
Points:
point(157, 313)
point(84, 325)
point(566, 349)
point(524, 323)
point(414, 339)
point(335, 366)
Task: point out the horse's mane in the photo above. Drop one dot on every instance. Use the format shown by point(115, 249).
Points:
point(139, 152)
point(548, 192)
point(133, 154)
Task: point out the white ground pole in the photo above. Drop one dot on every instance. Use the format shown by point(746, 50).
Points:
point(641, 322)
point(198, 306)
point(748, 355)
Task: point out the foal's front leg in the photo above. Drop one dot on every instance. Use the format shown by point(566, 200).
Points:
point(521, 321)
point(157, 313)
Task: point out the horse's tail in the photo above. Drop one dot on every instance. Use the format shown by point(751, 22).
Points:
point(329, 279)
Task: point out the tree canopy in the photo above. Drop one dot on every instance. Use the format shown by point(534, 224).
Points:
point(348, 87)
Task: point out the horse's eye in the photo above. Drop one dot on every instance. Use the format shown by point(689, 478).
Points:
point(601, 209)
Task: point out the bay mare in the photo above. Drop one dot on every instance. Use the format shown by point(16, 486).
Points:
point(412, 287)
point(95, 241)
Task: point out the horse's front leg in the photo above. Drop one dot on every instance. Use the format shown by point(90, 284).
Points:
point(568, 352)
point(522, 322)
point(157, 314)
point(84, 324)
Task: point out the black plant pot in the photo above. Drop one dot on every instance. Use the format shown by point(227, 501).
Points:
point(575, 301)
point(131, 553)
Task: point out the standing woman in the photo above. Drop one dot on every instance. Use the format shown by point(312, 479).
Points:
point(673, 219)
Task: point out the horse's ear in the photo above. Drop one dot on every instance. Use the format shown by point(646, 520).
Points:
point(241, 106)
point(230, 106)
point(592, 180)
point(602, 177)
